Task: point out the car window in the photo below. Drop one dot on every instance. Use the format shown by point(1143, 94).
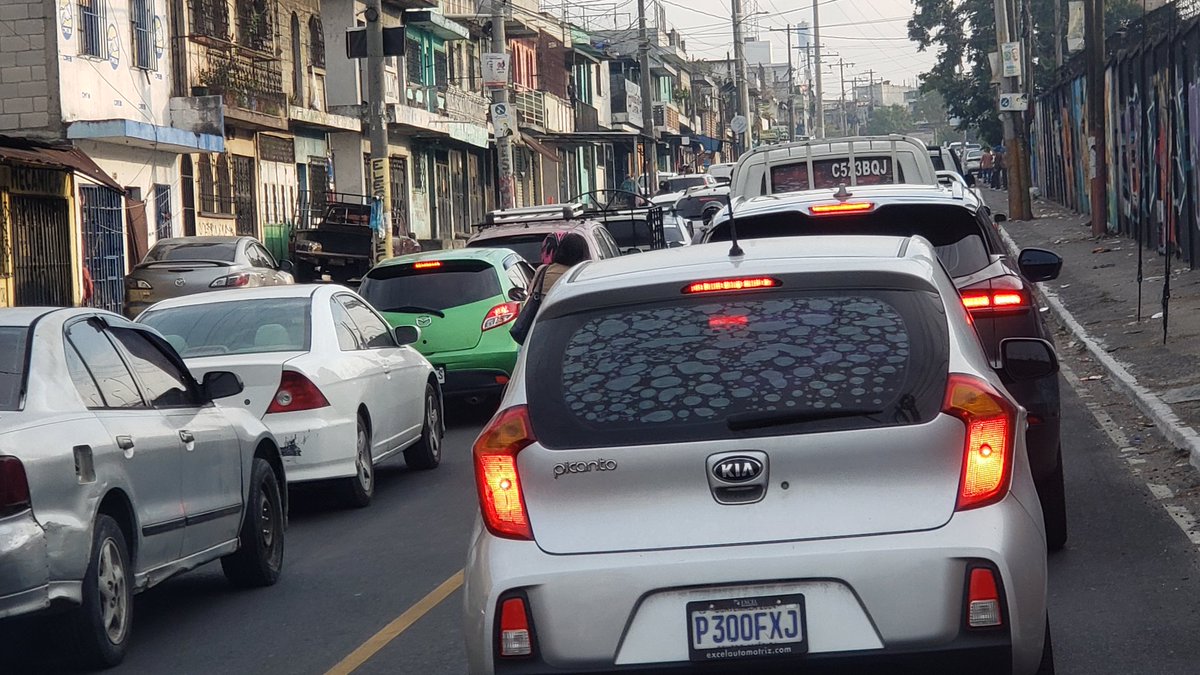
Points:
point(349, 339)
point(681, 184)
point(632, 233)
point(452, 283)
point(830, 173)
point(256, 326)
point(166, 384)
point(682, 369)
point(374, 331)
point(85, 384)
point(180, 249)
point(608, 248)
point(259, 257)
point(516, 272)
point(13, 340)
point(104, 365)
point(528, 246)
point(953, 230)
point(936, 158)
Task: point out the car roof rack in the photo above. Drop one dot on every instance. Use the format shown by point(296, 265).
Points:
point(532, 214)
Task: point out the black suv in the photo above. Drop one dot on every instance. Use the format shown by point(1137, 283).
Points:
point(999, 292)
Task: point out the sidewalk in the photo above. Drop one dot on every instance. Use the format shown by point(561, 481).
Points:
point(1096, 299)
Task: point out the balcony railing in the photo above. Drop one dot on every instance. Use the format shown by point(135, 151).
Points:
point(543, 111)
point(666, 117)
point(242, 81)
point(587, 118)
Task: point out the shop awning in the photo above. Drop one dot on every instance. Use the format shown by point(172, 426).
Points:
point(539, 147)
point(61, 157)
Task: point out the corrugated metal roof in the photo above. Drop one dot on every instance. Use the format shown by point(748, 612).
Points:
point(63, 157)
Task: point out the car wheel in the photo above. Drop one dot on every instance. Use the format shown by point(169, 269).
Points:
point(100, 626)
point(259, 558)
point(427, 453)
point(1053, 495)
point(360, 488)
point(1046, 666)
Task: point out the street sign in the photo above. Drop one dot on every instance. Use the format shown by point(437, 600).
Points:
point(495, 70)
point(739, 124)
point(503, 121)
point(1010, 56)
point(1014, 102)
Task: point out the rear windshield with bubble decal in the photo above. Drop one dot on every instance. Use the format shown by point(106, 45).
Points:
point(678, 371)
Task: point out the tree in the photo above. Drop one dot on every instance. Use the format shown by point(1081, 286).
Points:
point(890, 119)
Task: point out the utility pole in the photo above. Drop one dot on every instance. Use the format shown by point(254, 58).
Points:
point(379, 180)
point(1058, 37)
point(504, 144)
point(650, 138)
point(842, 68)
point(791, 90)
point(817, 66)
point(1094, 21)
point(1015, 139)
point(739, 57)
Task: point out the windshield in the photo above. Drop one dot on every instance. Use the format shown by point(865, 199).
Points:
point(12, 365)
point(528, 246)
point(697, 368)
point(394, 288)
point(693, 207)
point(953, 230)
point(235, 327)
point(685, 182)
point(630, 233)
point(223, 251)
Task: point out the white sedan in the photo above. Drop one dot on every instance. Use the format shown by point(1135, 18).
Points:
point(340, 389)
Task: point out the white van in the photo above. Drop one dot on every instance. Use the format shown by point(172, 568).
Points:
point(828, 163)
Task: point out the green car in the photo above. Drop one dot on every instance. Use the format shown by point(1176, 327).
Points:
point(464, 301)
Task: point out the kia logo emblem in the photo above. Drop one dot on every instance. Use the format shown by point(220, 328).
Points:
point(738, 469)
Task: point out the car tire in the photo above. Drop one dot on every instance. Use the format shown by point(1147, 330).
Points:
point(1046, 666)
point(259, 558)
point(427, 453)
point(100, 627)
point(1053, 495)
point(359, 489)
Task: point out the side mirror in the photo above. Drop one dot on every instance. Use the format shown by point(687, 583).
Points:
point(1038, 264)
point(287, 266)
point(517, 294)
point(406, 335)
point(970, 178)
point(221, 384)
point(1027, 358)
point(1000, 218)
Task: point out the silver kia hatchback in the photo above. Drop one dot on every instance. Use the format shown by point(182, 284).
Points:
point(791, 458)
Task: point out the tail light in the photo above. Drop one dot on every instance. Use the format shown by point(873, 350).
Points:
point(997, 295)
point(133, 283)
point(739, 284)
point(14, 487)
point(983, 599)
point(516, 631)
point(840, 208)
point(496, 477)
point(296, 392)
point(501, 314)
point(232, 281)
point(988, 455)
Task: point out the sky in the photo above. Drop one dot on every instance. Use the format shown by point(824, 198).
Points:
point(870, 34)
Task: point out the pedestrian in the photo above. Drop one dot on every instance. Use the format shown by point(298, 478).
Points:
point(560, 252)
point(985, 166)
point(1000, 172)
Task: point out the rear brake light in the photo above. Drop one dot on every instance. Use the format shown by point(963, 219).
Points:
point(428, 264)
point(134, 283)
point(740, 284)
point(496, 476)
point(732, 321)
point(1000, 294)
point(983, 599)
point(232, 281)
point(516, 635)
point(501, 314)
point(842, 207)
point(987, 458)
point(296, 392)
point(14, 487)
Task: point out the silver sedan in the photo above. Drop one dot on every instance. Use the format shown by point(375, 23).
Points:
point(117, 472)
point(762, 462)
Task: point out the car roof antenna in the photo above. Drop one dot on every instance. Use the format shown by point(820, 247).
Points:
point(735, 251)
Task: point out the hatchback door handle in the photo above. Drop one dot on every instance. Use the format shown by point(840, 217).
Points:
point(186, 436)
point(125, 442)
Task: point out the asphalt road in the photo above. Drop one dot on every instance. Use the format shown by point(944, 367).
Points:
point(1123, 594)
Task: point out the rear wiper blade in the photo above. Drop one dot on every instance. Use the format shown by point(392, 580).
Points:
point(413, 309)
point(774, 418)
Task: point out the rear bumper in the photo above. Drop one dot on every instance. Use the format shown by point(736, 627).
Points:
point(24, 566)
point(475, 372)
point(893, 600)
point(315, 444)
point(468, 382)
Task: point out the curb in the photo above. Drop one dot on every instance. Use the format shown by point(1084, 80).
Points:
point(1179, 434)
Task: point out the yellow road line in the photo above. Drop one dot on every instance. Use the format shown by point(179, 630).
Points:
point(398, 625)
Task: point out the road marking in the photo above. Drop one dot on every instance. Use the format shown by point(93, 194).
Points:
point(1160, 491)
point(400, 624)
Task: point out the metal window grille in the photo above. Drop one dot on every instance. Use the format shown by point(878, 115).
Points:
point(163, 228)
point(243, 194)
point(209, 18)
point(254, 25)
point(412, 62)
point(142, 18)
point(41, 243)
point(316, 42)
point(104, 245)
point(441, 70)
point(92, 38)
